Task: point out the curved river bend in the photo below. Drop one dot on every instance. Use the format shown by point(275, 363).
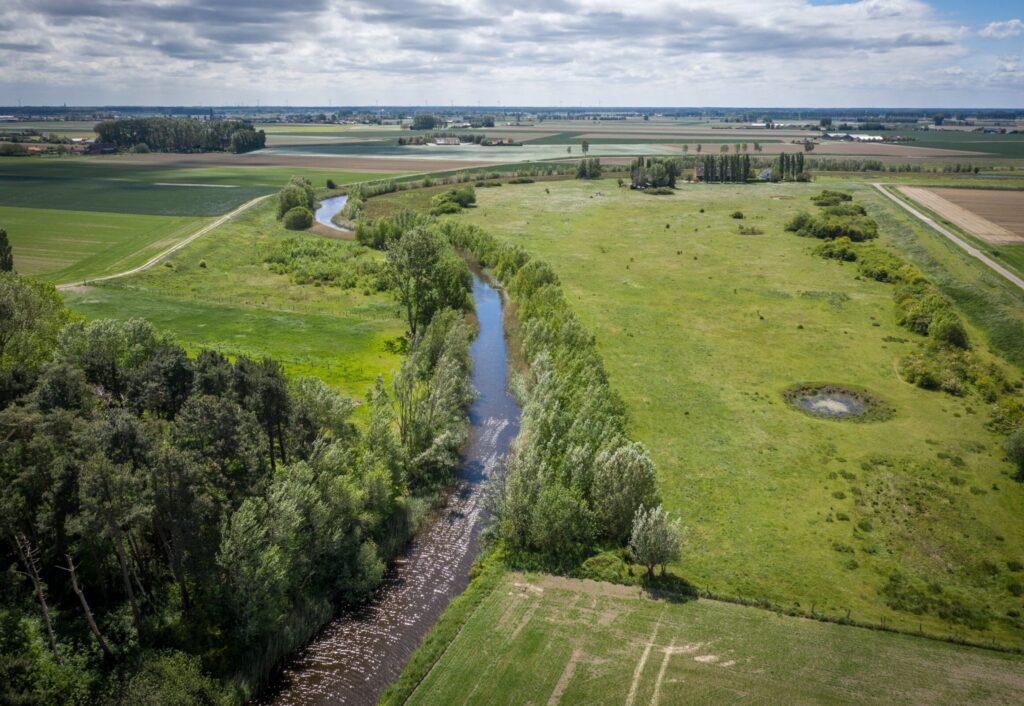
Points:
point(329, 208)
point(359, 653)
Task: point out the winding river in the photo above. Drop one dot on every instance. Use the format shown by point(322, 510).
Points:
point(362, 651)
point(328, 209)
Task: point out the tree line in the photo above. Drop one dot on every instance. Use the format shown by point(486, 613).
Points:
point(574, 480)
point(181, 135)
point(172, 524)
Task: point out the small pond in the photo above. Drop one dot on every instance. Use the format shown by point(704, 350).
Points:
point(831, 405)
point(835, 402)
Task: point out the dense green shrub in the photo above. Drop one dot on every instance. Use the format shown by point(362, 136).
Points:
point(298, 192)
point(378, 233)
point(882, 266)
point(845, 209)
point(452, 201)
point(838, 249)
point(298, 218)
point(323, 261)
point(1014, 447)
point(829, 197)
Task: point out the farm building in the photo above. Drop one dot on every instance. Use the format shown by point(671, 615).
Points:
point(447, 141)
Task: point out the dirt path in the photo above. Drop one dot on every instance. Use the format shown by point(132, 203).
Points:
point(965, 246)
point(169, 251)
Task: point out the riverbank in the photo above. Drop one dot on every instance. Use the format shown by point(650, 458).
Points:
point(365, 649)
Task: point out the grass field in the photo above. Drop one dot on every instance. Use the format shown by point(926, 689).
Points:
point(537, 639)
point(702, 329)
point(235, 304)
point(68, 246)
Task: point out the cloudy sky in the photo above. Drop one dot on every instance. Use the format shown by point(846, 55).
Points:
point(935, 53)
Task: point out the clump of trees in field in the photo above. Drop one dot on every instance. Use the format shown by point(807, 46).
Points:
point(654, 172)
point(452, 201)
point(181, 135)
point(789, 167)
point(174, 524)
point(296, 203)
point(724, 168)
point(426, 121)
point(589, 168)
point(839, 218)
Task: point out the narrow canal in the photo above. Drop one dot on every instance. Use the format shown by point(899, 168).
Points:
point(354, 659)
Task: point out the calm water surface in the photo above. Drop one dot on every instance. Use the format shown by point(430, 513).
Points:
point(328, 209)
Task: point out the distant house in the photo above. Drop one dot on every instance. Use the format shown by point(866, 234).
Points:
point(447, 141)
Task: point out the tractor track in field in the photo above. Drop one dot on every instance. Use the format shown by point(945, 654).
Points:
point(161, 256)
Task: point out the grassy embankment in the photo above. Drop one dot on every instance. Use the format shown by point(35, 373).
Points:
point(702, 329)
point(219, 293)
point(518, 638)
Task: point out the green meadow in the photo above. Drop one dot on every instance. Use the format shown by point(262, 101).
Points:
point(537, 639)
point(702, 329)
point(68, 246)
point(218, 293)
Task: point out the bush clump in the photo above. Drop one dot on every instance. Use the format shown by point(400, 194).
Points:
point(737, 215)
point(453, 201)
point(298, 218)
point(839, 249)
point(828, 197)
point(298, 192)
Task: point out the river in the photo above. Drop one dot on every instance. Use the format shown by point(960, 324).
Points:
point(328, 209)
point(360, 652)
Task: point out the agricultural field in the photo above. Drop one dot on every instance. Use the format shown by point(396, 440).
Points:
point(997, 217)
point(991, 218)
point(76, 218)
point(1010, 146)
point(702, 329)
point(219, 293)
point(66, 246)
point(545, 639)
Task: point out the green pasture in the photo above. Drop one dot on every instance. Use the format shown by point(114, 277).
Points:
point(218, 293)
point(68, 246)
point(539, 640)
point(702, 329)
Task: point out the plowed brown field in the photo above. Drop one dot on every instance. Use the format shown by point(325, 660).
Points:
point(997, 217)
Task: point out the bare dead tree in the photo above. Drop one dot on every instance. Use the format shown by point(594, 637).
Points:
point(85, 606)
point(29, 556)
